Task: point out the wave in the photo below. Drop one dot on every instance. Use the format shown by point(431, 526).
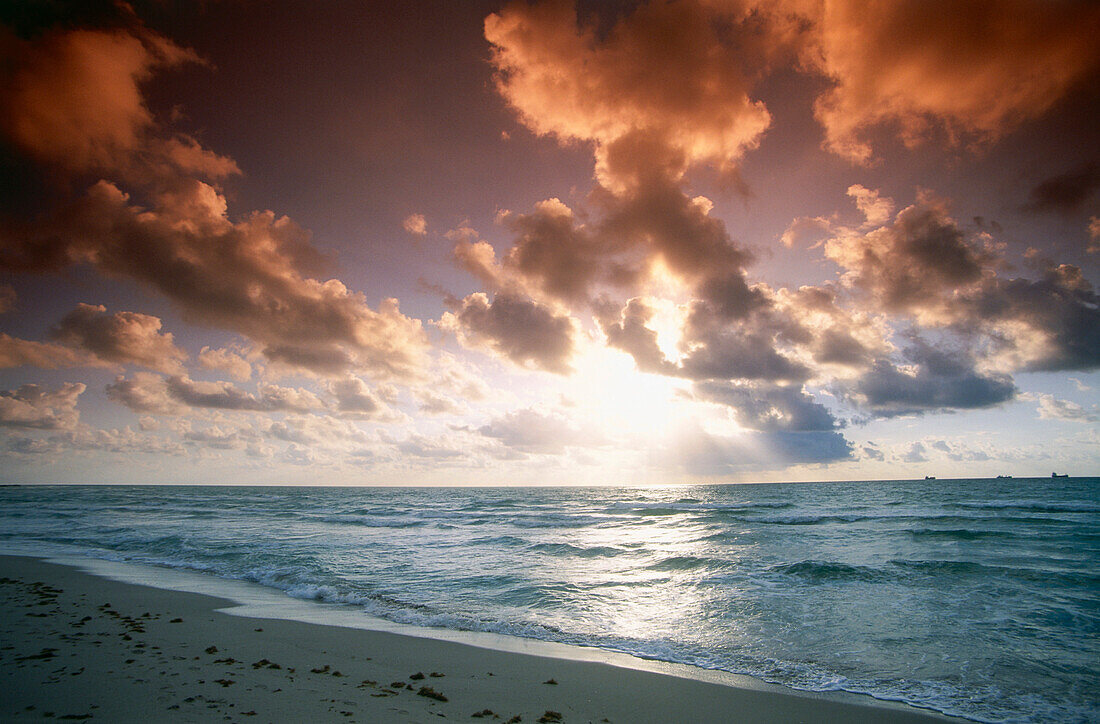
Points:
point(818, 519)
point(831, 571)
point(959, 533)
point(370, 521)
point(1069, 579)
point(568, 549)
point(1030, 506)
point(687, 563)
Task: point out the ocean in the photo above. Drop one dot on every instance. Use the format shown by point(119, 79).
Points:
point(977, 598)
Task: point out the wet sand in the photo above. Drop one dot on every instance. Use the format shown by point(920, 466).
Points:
point(76, 647)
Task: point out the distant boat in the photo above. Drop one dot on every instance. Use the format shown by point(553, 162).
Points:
point(1004, 477)
point(929, 477)
point(1056, 475)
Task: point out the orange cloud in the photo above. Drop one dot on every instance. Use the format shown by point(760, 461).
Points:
point(415, 224)
point(75, 102)
point(245, 276)
point(666, 71)
point(37, 407)
point(15, 352)
point(123, 337)
point(978, 68)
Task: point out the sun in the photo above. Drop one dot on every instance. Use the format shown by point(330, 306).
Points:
point(619, 401)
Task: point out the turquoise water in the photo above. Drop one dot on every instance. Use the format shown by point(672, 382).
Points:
point(978, 598)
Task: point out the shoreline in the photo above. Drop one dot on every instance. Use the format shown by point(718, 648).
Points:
point(174, 654)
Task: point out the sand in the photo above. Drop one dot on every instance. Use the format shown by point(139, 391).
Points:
point(75, 647)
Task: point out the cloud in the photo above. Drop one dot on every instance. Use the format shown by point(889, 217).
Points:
point(15, 352)
point(144, 392)
point(415, 224)
point(74, 101)
point(355, 399)
point(630, 334)
point(871, 452)
point(556, 255)
point(1052, 324)
point(742, 352)
point(977, 71)
point(217, 438)
point(532, 431)
point(876, 209)
point(924, 265)
point(647, 235)
point(174, 395)
point(769, 408)
point(1065, 192)
point(674, 73)
point(424, 449)
point(1052, 408)
point(916, 453)
point(522, 330)
point(225, 360)
point(910, 263)
point(933, 380)
point(319, 433)
point(89, 337)
point(32, 406)
point(122, 337)
point(244, 276)
point(75, 104)
point(434, 404)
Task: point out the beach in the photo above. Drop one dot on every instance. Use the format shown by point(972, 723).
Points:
point(81, 647)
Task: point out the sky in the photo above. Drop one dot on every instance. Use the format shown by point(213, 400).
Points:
point(554, 243)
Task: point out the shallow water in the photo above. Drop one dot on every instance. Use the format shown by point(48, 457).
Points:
point(978, 598)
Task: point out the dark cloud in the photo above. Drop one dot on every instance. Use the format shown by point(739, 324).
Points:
point(933, 380)
point(658, 217)
point(1061, 310)
point(770, 408)
point(748, 350)
point(927, 267)
point(1065, 192)
point(838, 346)
point(912, 262)
point(522, 330)
point(562, 258)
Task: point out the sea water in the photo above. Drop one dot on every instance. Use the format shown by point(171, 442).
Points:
point(978, 598)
